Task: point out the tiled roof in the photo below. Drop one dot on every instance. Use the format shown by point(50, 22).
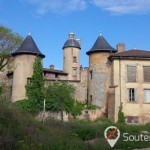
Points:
point(54, 71)
point(131, 53)
point(101, 45)
point(28, 47)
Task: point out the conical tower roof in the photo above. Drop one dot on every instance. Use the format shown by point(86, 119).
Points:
point(28, 47)
point(101, 45)
point(71, 42)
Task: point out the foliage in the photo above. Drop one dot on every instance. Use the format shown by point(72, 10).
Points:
point(19, 130)
point(59, 96)
point(104, 120)
point(34, 90)
point(91, 106)
point(9, 41)
point(77, 108)
point(121, 117)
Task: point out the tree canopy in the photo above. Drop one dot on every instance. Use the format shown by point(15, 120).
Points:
point(59, 97)
point(9, 42)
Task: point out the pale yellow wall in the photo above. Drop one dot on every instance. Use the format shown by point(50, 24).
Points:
point(23, 68)
point(68, 64)
point(138, 108)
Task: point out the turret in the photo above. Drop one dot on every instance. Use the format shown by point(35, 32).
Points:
point(99, 71)
point(24, 58)
point(71, 57)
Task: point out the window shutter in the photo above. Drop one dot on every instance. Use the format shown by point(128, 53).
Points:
point(147, 95)
point(131, 73)
point(146, 70)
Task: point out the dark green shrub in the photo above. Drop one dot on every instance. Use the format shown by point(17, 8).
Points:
point(77, 109)
point(121, 117)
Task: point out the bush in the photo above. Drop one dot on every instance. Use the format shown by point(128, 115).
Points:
point(77, 109)
point(121, 117)
point(91, 106)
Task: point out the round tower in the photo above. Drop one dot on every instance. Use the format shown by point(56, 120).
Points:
point(71, 57)
point(24, 58)
point(99, 71)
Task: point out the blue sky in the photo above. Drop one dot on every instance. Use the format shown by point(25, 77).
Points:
point(50, 22)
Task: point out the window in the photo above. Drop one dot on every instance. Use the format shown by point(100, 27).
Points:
point(146, 72)
point(147, 95)
point(28, 80)
point(91, 74)
point(56, 75)
point(131, 95)
point(74, 59)
point(91, 99)
point(74, 71)
point(131, 73)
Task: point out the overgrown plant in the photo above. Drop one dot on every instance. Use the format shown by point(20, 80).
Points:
point(121, 117)
point(34, 89)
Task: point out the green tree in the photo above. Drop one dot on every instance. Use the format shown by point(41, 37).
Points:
point(121, 117)
point(9, 42)
point(59, 97)
point(77, 108)
point(35, 88)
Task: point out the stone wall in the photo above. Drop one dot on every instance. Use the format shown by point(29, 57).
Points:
point(101, 78)
point(81, 87)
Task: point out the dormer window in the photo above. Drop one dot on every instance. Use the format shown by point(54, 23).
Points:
point(74, 59)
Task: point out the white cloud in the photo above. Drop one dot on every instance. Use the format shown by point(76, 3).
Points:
point(58, 6)
point(114, 6)
point(124, 6)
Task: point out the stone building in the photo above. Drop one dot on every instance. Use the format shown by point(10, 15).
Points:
point(113, 77)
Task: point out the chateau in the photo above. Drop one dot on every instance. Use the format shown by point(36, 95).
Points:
point(113, 77)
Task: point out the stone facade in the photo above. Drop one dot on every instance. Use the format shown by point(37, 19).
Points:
point(103, 83)
point(99, 78)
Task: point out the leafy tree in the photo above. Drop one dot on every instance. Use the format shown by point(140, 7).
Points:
point(121, 117)
point(59, 97)
point(77, 108)
point(9, 42)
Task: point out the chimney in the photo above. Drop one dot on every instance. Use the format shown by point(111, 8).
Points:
point(81, 68)
point(120, 47)
point(79, 41)
point(51, 67)
point(71, 35)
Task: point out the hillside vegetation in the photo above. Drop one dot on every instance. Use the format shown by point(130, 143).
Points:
point(20, 131)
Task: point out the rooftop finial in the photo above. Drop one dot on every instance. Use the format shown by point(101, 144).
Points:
point(29, 33)
point(100, 33)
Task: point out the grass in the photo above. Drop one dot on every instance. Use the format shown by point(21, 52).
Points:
point(19, 130)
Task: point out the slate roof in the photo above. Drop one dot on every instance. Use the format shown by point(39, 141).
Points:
point(28, 47)
point(101, 45)
point(131, 53)
point(71, 42)
point(54, 71)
